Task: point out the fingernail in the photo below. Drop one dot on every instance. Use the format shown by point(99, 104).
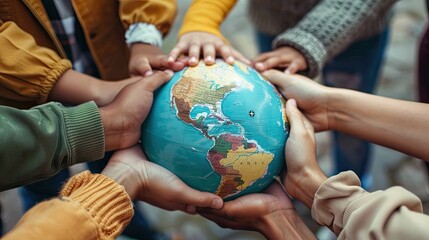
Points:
point(292, 102)
point(148, 73)
point(193, 59)
point(230, 59)
point(168, 71)
point(217, 203)
point(259, 66)
point(170, 59)
point(287, 71)
point(209, 59)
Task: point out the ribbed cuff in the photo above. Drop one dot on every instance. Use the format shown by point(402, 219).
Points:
point(313, 50)
point(52, 74)
point(85, 132)
point(104, 199)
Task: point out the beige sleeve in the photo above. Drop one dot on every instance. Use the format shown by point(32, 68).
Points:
point(341, 204)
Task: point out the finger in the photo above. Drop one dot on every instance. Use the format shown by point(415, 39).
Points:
point(143, 67)
point(179, 49)
point(292, 68)
point(163, 63)
point(194, 53)
point(259, 66)
point(209, 52)
point(194, 198)
point(263, 56)
point(277, 78)
point(295, 118)
point(157, 79)
point(276, 62)
point(225, 52)
point(240, 57)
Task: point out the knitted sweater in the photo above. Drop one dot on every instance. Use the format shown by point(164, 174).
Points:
point(91, 206)
point(319, 29)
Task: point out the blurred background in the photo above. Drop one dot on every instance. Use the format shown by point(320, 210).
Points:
point(388, 167)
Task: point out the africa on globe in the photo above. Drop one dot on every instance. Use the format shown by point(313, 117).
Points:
point(219, 128)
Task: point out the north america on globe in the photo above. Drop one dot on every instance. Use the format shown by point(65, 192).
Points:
point(220, 128)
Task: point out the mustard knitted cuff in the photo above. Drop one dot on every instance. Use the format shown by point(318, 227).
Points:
point(105, 200)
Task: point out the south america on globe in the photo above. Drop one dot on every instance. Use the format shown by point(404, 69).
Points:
point(219, 128)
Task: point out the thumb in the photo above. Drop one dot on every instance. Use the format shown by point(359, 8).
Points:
point(294, 116)
point(194, 198)
point(142, 67)
point(156, 80)
point(299, 124)
point(278, 78)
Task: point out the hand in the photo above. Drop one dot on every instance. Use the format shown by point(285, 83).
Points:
point(312, 98)
point(149, 182)
point(145, 57)
point(304, 175)
point(271, 213)
point(287, 58)
point(211, 45)
point(123, 117)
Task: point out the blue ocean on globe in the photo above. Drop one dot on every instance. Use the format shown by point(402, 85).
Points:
point(219, 128)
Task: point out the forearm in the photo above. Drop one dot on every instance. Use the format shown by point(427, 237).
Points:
point(396, 124)
point(75, 88)
point(37, 143)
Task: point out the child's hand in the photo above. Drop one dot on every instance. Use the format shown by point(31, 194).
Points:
point(286, 58)
point(193, 43)
point(304, 175)
point(145, 58)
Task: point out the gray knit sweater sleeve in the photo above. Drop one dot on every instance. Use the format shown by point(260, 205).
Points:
point(37, 143)
point(330, 27)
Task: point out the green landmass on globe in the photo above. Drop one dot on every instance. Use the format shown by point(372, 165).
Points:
point(219, 128)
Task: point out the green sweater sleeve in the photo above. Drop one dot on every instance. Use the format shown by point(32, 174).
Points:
point(37, 143)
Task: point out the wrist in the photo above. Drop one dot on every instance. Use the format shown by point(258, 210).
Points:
point(335, 104)
point(304, 187)
point(122, 175)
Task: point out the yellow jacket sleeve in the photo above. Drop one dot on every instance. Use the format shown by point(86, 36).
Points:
point(160, 13)
point(28, 72)
point(206, 16)
point(91, 206)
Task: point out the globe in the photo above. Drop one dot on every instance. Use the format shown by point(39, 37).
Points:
point(219, 128)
